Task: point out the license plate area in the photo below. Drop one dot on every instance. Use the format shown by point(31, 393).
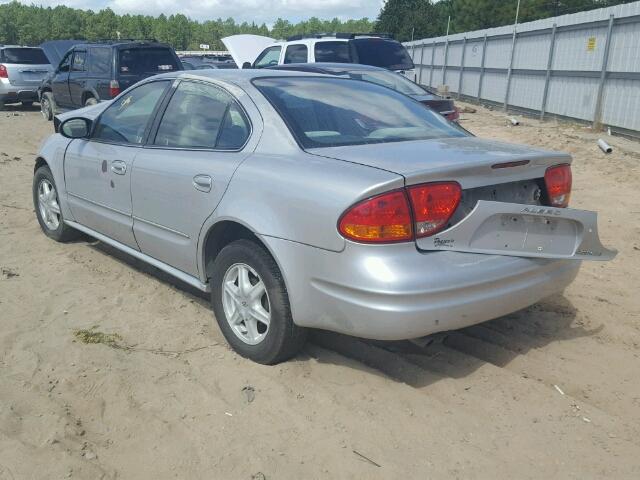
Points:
point(523, 230)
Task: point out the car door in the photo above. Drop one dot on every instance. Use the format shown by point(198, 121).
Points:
point(182, 174)
point(98, 170)
point(60, 82)
point(77, 78)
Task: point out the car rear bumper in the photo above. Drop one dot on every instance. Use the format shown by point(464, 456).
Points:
point(17, 93)
point(395, 292)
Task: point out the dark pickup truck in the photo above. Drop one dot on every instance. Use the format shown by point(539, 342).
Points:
point(90, 72)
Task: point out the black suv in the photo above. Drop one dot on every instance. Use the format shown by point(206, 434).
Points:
point(93, 71)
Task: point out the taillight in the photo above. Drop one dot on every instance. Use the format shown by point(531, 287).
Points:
point(114, 88)
point(558, 182)
point(453, 116)
point(433, 205)
point(3, 72)
point(380, 219)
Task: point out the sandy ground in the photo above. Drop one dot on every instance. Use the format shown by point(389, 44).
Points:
point(549, 392)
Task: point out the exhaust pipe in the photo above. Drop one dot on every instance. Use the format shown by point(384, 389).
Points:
point(604, 146)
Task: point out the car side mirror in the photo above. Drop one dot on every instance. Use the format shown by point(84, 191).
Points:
point(246, 65)
point(77, 127)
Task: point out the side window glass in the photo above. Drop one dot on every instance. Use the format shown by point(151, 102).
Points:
point(296, 54)
point(126, 120)
point(268, 58)
point(100, 61)
point(65, 63)
point(202, 116)
point(332, 52)
point(79, 62)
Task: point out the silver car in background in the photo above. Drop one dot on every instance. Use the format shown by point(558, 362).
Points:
point(308, 201)
point(21, 71)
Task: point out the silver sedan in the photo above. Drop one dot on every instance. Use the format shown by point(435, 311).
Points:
point(307, 201)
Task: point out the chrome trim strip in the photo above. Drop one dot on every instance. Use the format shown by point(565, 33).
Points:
point(149, 222)
point(99, 204)
point(179, 274)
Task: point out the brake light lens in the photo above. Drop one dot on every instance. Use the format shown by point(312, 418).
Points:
point(558, 182)
point(114, 88)
point(384, 218)
point(3, 72)
point(433, 205)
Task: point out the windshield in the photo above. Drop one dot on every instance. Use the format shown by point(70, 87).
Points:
point(382, 53)
point(136, 61)
point(24, 56)
point(329, 112)
point(388, 79)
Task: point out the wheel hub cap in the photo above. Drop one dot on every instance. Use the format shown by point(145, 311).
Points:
point(246, 303)
point(48, 204)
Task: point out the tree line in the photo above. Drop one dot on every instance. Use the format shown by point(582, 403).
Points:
point(429, 18)
point(405, 19)
point(31, 25)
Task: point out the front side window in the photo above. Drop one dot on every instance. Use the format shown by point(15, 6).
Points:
point(65, 63)
point(296, 54)
point(78, 61)
point(268, 58)
point(334, 52)
point(100, 61)
point(328, 112)
point(202, 116)
point(126, 119)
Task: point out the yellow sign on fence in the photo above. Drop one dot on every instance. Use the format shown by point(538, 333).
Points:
point(591, 44)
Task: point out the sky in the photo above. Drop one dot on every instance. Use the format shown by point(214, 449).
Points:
point(258, 11)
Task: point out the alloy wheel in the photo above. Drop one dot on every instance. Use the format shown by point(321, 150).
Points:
point(246, 303)
point(48, 204)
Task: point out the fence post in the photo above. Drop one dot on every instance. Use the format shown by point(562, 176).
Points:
point(513, 48)
point(552, 46)
point(464, 48)
point(421, 59)
point(484, 54)
point(444, 66)
point(433, 53)
point(413, 56)
point(597, 115)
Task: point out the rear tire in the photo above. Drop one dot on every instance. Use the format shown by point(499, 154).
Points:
point(46, 106)
point(47, 206)
point(266, 343)
point(90, 101)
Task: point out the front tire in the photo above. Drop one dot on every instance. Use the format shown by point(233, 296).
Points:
point(46, 106)
point(251, 304)
point(47, 206)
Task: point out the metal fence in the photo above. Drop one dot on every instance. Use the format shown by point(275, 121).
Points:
point(583, 66)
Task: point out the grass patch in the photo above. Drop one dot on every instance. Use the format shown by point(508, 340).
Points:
point(112, 340)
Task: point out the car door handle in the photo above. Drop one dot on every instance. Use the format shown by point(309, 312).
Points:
point(118, 167)
point(202, 183)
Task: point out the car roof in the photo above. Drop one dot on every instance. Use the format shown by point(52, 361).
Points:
point(328, 67)
point(239, 77)
point(121, 43)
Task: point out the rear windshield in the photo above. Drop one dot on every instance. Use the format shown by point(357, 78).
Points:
point(24, 56)
point(329, 112)
point(137, 61)
point(382, 53)
point(388, 79)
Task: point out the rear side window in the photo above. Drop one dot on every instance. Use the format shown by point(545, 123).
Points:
point(268, 58)
point(202, 116)
point(79, 59)
point(138, 61)
point(126, 120)
point(334, 52)
point(100, 61)
point(296, 54)
point(24, 56)
point(382, 53)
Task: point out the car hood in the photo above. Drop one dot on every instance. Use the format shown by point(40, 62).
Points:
point(246, 48)
point(55, 49)
point(469, 160)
